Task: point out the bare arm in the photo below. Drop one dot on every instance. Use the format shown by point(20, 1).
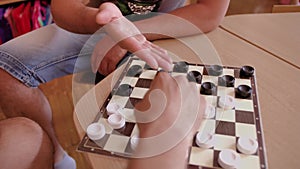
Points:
point(205, 15)
point(75, 16)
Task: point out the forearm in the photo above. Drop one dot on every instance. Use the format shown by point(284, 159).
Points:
point(74, 16)
point(202, 17)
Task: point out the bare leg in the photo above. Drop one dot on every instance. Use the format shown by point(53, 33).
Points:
point(23, 145)
point(18, 100)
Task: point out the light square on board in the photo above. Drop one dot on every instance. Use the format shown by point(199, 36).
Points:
point(225, 115)
point(148, 74)
point(207, 126)
point(128, 115)
point(196, 68)
point(213, 79)
point(249, 162)
point(174, 74)
point(116, 143)
point(245, 130)
point(129, 80)
point(138, 62)
point(224, 142)
point(239, 81)
point(108, 128)
point(223, 91)
point(120, 100)
point(228, 72)
point(211, 100)
point(100, 143)
point(138, 92)
point(244, 104)
point(201, 157)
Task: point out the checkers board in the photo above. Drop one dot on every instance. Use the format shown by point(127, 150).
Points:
point(227, 125)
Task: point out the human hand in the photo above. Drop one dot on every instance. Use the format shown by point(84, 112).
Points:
point(124, 33)
point(171, 103)
point(108, 56)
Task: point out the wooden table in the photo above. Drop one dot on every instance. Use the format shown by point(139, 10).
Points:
point(278, 90)
point(278, 34)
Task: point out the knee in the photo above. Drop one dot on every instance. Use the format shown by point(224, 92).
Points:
point(22, 130)
point(23, 139)
point(20, 125)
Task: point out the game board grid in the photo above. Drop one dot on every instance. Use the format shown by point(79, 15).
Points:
point(208, 158)
point(242, 114)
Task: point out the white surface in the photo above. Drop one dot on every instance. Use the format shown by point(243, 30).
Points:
point(205, 140)
point(228, 159)
point(113, 108)
point(116, 121)
point(226, 102)
point(210, 111)
point(247, 145)
point(95, 131)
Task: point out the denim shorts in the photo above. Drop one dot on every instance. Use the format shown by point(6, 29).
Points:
point(44, 54)
point(51, 52)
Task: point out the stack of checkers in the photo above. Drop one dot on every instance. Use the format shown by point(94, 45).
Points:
point(230, 135)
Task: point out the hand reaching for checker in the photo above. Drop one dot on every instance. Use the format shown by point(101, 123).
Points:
point(170, 113)
point(178, 110)
point(123, 36)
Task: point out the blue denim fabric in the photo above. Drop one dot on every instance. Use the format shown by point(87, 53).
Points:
point(51, 52)
point(42, 55)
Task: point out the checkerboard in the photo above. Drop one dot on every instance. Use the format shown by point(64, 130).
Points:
point(227, 125)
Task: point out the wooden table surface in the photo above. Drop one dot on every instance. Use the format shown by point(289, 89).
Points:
point(278, 34)
point(278, 91)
